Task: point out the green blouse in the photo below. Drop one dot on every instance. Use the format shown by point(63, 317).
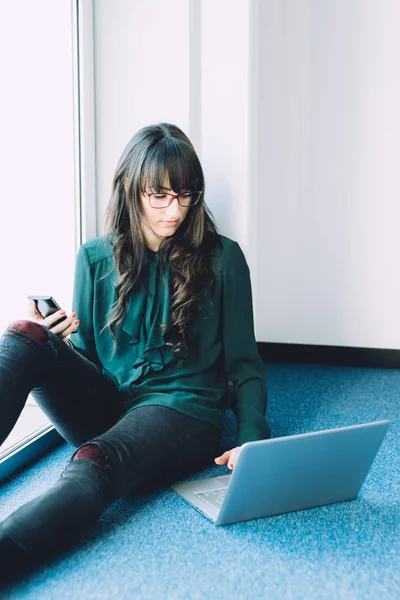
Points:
point(144, 369)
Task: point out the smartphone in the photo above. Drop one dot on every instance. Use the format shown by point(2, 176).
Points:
point(47, 306)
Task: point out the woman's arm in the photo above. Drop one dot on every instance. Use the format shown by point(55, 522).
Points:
point(83, 339)
point(243, 364)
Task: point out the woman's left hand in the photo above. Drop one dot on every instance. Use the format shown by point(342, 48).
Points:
point(230, 457)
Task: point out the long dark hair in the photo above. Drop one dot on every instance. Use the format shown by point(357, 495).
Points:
point(154, 154)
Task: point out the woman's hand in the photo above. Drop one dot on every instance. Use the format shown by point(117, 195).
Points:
point(63, 329)
point(230, 457)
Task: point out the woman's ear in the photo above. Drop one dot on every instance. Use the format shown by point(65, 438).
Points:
point(126, 185)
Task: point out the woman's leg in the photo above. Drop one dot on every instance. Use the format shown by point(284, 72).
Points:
point(150, 445)
point(71, 390)
point(154, 445)
point(21, 360)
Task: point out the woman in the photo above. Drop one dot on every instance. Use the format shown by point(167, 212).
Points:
point(164, 309)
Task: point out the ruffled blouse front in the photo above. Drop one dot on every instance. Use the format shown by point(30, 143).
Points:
point(148, 308)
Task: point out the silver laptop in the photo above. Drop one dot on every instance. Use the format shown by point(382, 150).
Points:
point(290, 473)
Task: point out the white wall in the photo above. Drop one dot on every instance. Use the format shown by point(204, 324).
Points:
point(225, 77)
point(329, 187)
point(141, 76)
point(293, 108)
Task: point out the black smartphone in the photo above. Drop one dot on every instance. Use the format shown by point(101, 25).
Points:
point(47, 306)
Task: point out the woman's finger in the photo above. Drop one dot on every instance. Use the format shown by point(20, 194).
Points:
point(34, 313)
point(66, 326)
point(66, 332)
point(51, 319)
point(230, 457)
point(223, 459)
point(234, 457)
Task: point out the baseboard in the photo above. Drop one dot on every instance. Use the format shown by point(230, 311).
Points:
point(332, 355)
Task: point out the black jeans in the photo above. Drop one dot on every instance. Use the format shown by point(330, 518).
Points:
point(147, 446)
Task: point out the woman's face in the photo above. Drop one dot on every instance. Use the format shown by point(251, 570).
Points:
point(161, 222)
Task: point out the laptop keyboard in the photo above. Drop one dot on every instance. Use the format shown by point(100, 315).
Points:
point(213, 498)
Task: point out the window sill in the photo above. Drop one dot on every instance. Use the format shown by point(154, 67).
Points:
point(28, 450)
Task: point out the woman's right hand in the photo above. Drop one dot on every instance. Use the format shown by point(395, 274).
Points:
point(63, 329)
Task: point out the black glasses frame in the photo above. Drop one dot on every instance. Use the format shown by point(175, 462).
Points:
point(172, 198)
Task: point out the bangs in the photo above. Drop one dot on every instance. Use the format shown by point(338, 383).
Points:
point(171, 163)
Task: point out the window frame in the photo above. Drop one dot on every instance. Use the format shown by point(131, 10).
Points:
point(34, 445)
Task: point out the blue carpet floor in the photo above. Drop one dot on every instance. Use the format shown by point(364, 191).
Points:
point(158, 547)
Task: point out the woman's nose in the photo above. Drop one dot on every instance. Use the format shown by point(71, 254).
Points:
point(174, 210)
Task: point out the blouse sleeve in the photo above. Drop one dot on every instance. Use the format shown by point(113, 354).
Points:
point(83, 340)
point(243, 364)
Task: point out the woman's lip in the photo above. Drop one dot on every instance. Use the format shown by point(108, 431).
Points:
point(170, 222)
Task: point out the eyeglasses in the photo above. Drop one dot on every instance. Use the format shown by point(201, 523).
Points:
point(162, 199)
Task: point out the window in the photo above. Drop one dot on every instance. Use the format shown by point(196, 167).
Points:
point(37, 163)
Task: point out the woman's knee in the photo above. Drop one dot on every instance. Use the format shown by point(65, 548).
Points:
point(90, 452)
point(93, 462)
point(34, 330)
